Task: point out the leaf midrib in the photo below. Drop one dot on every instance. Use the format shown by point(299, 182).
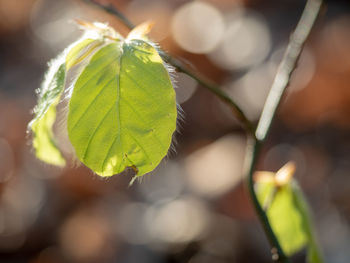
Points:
point(118, 116)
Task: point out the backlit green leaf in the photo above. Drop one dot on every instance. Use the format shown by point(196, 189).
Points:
point(121, 104)
point(43, 142)
point(49, 96)
point(122, 112)
point(45, 115)
point(80, 51)
point(314, 254)
point(289, 217)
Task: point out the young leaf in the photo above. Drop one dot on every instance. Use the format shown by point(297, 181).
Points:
point(313, 253)
point(122, 112)
point(289, 217)
point(45, 114)
point(49, 96)
point(80, 51)
point(122, 108)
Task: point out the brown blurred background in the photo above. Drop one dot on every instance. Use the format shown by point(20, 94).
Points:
point(194, 208)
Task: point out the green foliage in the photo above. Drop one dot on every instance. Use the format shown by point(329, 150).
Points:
point(128, 113)
point(122, 108)
point(289, 217)
point(80, 51)
point(45, 114)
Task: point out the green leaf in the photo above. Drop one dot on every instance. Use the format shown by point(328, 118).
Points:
point(314, 254)
point(45, 114)
point(122, 112)
point(49, 96)
point(43, 142)
point(289, 217)
point(80, 51)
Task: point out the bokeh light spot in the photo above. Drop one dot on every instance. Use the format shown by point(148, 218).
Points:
point(246, 42)
point(198, 27)
point(216, 168)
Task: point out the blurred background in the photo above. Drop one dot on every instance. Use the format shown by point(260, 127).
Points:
point(194, 207)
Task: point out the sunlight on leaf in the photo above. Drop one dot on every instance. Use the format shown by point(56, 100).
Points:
point(49, 96)
point(140, 31)
point(121, 103)
point(45, 115)
point(288, 213)
point(122, 112)
point(285, 218)
point(81, 51)
point(43, 142)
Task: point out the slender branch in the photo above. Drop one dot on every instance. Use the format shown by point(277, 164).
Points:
point(212, 87)
point(280, 83)
point(287, 66)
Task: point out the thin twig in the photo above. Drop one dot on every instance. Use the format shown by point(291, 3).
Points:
point(287, 66)
point(212, 87)
point(280, 83)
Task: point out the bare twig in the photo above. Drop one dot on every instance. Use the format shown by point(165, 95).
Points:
point(287, 66)
point(280, 83)
point(212, 87)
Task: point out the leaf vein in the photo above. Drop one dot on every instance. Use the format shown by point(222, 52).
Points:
point(95, 73)
point(144, 68)
point(142, 120)
point(137, 142)
point(90, 104)
point(108, 152)
point(95, 130)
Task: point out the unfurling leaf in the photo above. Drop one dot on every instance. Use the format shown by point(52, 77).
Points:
point(45, 114)
point(288, 213)
point(122, 109)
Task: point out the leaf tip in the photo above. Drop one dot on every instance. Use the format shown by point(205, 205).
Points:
point(141, 30)
point(285, 174)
